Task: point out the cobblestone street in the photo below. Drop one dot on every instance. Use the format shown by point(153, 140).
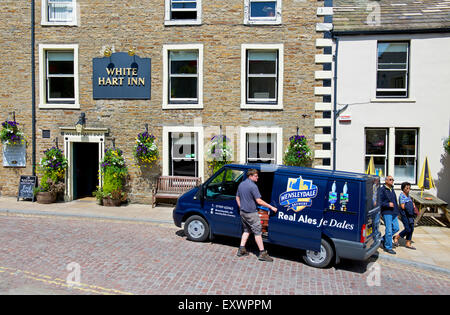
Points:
point(39, 254)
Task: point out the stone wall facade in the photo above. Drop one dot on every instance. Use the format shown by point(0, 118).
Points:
point(140, 24)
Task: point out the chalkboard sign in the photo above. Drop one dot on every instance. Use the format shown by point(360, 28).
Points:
point(26, 185)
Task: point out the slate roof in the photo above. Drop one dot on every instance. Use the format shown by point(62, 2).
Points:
point(395, 15)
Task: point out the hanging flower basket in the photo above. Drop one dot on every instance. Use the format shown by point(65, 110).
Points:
point(11, 134)
point(145, 149)
point(218, 153)
point(298, 152)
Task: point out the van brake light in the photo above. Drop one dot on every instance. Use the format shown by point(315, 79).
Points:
point(363, 234)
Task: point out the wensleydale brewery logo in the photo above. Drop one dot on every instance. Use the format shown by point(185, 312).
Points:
point(299, 194)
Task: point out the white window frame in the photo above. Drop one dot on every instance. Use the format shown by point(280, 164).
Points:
point(415, 156)
point(244, 78)
point(244, 131)
point(262, 20)
point(391, 155)
point(45, 16)
point(386, 147)
point(168, 21)
point(406, 89)
point(167, 130)
point(166, 104)
point(43, 48)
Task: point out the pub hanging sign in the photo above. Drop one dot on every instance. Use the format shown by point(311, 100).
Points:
point(121, 76)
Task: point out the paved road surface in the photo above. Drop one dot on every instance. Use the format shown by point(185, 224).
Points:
point(39, 255)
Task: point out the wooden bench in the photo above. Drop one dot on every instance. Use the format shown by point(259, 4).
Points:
point(172, 187)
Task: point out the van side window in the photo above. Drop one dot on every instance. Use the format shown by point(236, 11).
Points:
point(225, 184)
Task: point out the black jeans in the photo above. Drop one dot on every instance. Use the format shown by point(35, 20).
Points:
point(409, 228)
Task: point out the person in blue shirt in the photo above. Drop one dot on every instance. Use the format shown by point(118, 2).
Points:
point(407, 215)
point(247, 198)
point(390, 212)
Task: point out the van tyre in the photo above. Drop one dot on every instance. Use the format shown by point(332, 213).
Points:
point(196, 229)
point(322, 258)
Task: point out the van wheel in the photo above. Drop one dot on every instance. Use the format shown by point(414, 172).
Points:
point(322, 258)
point(196, 228)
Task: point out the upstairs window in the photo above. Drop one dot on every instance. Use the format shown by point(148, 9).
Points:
point(179, 12)
point(59, 12)
point(58, 76)
point(262, 12)
point(392, 69)
point(262, 76)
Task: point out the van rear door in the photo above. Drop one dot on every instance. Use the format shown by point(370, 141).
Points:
point(300, 209)
point(370, 230)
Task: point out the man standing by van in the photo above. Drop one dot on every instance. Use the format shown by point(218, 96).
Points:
point(390, 212)
point(247, 198)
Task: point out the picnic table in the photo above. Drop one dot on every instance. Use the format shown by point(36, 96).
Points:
point(429, 206)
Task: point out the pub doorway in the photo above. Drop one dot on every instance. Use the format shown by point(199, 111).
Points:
point(85, 157)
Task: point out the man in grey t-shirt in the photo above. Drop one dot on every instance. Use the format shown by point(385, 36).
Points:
point(247, 198)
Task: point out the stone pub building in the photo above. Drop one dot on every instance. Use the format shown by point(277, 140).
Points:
point(257, 71)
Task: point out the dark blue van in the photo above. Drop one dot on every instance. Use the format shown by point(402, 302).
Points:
point(328, 214)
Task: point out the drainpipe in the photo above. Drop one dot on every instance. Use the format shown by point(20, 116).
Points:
point(33, 91)
point(335, 113)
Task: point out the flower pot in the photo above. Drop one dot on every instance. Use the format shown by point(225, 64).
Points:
point(45, 197)
point(108, 202)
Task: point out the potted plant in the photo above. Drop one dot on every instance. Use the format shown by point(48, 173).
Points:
point(298, 152)
point(114, 171)
point(11, 134)
point(219, 153)
point(53, 168)
point(145, 148)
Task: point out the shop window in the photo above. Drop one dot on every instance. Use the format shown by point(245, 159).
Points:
point(179, 12)
point(376, 147)
point(392, 70)
point(262, 12)
point(183, 77)
point(58, 67)
point(262, 76)
point(394, 151)
point(59, 12)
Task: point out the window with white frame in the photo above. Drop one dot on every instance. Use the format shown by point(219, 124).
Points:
point(179, 12)
point(59, 12)
point(377, 147)
point(262, 12)
point(394, 151)
point(405, 157)
point(183, 154)
point(183, 151)
point(261, 145)
point(262, 76)
point(392, 69)
point(261, 148)
point(58, 69)
point(183, 76)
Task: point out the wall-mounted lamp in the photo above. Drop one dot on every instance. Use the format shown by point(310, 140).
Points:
point(81, 123)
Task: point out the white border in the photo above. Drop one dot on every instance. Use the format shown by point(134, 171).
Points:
point(44, 15)
point(200, 135)
point(165, 94)
point(42, 76)
point(274, 130)
point(262, 21)
point(168, 21)
point(280, 48)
